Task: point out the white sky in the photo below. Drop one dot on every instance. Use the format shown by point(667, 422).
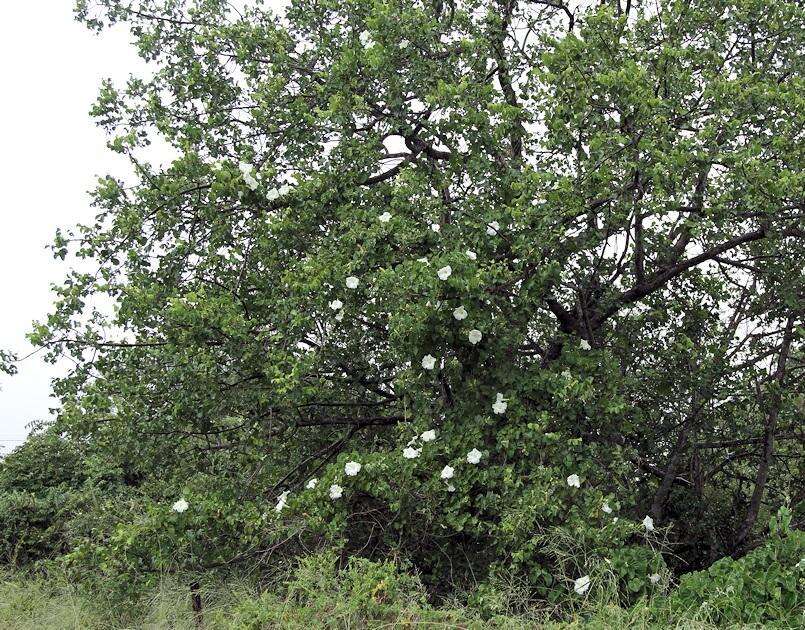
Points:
point(51, 153)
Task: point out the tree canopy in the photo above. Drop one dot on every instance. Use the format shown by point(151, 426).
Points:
point(480, 283)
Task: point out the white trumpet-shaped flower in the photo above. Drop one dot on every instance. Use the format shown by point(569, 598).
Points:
point(585, 345)
point(428, 436)
point(573, 481)
point(352, 282)
point(180, 506)
point(352, 468)
point(435, 227)
point(409, 452)
point(247, 170)
point(336, 305)
point(282, 500)
point(582, 584)
point(460, 313)
point(448, 472)
point(648, 523)
point(312, 483)
point(385, 217)
point(366, 39)
point(500, 405)
point(606, 509)
point(445, 272)
point(475, 336)
point(336, 491)
point(474, 456)
point(493, 228)
point(471, 254)
point(428, 362)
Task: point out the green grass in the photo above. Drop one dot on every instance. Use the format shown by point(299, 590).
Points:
point(38, 604)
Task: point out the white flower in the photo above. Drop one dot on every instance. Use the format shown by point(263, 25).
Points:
point(474, 456)
point(435, 227)
point(336, 305)
point(311, 484)
point(366, 39)
point(251, 182)
point(409, 452)
point(471, 254)
point(648, 523)
point(451, 487)
point(247, 170)
point(614, 519)
point(654, 578)
point(273, 194)
point(352, 282)
point(606, 509)
point(336, 491)
point(180, 506)
point(428, 362)
point(285, 189)
point(474, 336)
point(403, 44)
point(582, 584)
point(428, 436)
point(385, 217)
point(500, 405)
point(281, 501)
point(445, 272)
point(351, 469)
point(339, 316)
point(460, 313)
point(585, 345)
point(448, 472)
point(573, 481)
point(492, 228)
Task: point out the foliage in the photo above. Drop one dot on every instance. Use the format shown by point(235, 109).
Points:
point(479, 285)
point(45, 460)
point(37, 484)
point(342, 599)
point(764, 587)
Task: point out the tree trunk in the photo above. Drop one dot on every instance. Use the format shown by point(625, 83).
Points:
point(195, 603)
point(768, 439)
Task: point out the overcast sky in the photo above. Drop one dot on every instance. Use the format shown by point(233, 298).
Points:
point(51, 154)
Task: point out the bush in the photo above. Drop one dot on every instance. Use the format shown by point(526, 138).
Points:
point(53, 497)
point(765, 586)
point(31, 527)
point(43, 461)
point(319, 595)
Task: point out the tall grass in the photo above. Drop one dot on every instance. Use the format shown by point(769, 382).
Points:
point(53, 603)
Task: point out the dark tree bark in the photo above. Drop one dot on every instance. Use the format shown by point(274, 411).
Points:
point(768, 438)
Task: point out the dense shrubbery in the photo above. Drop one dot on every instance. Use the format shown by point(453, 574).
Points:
point(766, 586)
point(524, 315)
point(38, 498)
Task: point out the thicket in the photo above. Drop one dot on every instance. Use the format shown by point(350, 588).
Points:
point(464, 294)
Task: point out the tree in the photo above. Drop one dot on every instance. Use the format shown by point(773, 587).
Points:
point(567, 238)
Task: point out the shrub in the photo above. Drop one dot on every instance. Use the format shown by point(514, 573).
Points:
point(765, 586)
point(319, 594)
